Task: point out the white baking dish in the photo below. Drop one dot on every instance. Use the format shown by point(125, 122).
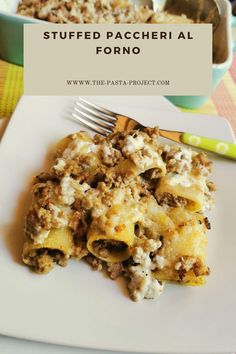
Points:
point(11, 45)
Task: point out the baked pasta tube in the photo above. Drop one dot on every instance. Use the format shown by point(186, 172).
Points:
point(111, 235)
point(57, 248)
point(141, 156)
point(182, 256)
point(108, 247)
point(186, 181)
point(191, 196)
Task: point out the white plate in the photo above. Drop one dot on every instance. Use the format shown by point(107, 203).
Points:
point(78, 307)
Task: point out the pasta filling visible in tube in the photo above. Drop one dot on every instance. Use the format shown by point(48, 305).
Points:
point(56, 249)
point(113, 247)
point(191, 197)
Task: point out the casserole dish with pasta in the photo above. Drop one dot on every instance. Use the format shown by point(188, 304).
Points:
point(11, 39)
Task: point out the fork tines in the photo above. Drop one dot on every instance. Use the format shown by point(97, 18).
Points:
point(97, 118)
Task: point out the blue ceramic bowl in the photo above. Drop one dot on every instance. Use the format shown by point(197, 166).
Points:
point(223, 47)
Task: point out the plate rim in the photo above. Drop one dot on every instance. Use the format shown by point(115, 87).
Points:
point(64, 343)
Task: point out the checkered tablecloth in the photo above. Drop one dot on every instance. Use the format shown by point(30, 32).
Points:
point(223, 101)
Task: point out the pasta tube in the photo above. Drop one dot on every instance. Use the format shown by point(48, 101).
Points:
point(191, 197)
point(56, 248)
point(111, 247)
point(183, 255)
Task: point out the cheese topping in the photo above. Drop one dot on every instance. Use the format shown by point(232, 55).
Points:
point(143, 285)
point(132, 144)
point(104, 200)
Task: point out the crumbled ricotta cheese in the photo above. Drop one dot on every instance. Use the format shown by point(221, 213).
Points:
point(71, 189)
point(142, 283)
point(179, 158)
point(132, 144)
point(60, 218)
point(119, 195)
point(107, 151)
point(184, 158)
point(80, 188)
point(67, 191)
point(183, 179)
point(160, 261)
point(146, 162)
point(148, 158)
point(79, 147)
point(208, 200)
point(166, 148)
point(41, 237)
point(184, 154)
point(60, 164)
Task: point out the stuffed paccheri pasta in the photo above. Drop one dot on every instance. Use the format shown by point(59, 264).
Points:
point(126, 204)
point(57, 247)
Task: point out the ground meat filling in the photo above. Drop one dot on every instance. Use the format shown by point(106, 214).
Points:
point(211, 186)
point(114, 270)
point(106, 248)
point(186, 264)
point(207, 223)
point(95, 263)
point(172, 201)
point(153, 173)
point(200, 162)
point(44, 259)
point(32, 226)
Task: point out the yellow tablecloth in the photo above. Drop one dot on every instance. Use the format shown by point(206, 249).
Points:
point(11, 87)
point(223, 101)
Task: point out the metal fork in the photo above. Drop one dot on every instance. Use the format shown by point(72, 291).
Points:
point(105, 122)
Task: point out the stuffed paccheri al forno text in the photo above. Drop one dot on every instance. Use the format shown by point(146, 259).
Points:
point(117, 35)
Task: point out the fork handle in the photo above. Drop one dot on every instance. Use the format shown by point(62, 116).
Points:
point(218, 146)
